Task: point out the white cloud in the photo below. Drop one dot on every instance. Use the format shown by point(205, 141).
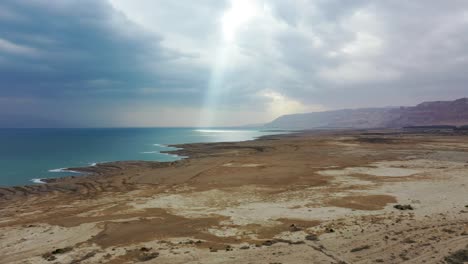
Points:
point(278, 105)
point(351, 73)
point(365, 44)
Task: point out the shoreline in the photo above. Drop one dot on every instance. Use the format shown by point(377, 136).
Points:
point(26, 170)
point(177, 152)
point(360, 196)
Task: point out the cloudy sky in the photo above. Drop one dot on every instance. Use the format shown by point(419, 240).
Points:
point(80, 63)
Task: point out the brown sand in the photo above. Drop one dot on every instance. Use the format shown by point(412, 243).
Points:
point(321, 197)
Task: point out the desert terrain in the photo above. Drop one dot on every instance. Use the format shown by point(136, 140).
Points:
point(380, 196)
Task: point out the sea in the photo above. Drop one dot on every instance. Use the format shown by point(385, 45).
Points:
point(29, 155)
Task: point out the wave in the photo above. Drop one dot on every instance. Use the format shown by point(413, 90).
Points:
point(63, 170)
point(160, 145)
point(162, 153)
point(93, 164)
point(38, 181)
point(174, 155)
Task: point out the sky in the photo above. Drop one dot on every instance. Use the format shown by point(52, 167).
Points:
point(99, 63)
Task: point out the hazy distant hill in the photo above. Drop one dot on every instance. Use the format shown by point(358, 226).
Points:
point(433, 113)
point(428, 113)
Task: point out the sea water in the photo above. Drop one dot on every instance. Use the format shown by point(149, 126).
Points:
point(28, 155)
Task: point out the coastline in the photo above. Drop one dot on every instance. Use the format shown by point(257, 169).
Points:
point(323, 196)
point(100, 168)
point(35, 153)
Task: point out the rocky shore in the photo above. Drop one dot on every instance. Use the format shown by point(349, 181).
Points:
point(381, 196)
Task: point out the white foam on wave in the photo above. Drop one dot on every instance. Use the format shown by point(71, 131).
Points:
point(160, 145)
point(93, 164)
point(57, 170)
point(38, 181)
point(162, 153)
point(63, 170)
point(174, 155)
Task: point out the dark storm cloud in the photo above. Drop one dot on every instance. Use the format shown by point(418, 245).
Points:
point(84, 58)
point(50, 48)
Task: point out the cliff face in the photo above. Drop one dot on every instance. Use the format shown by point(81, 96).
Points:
point(433, 113)
point(428, 113)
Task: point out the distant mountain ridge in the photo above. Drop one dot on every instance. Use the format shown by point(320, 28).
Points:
point(428, 113)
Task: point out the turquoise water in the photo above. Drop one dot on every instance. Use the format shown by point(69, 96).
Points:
point(28, 154)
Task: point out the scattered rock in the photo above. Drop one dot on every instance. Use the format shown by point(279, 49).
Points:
point(294, 228)
point(85, 257)
point(268, 243)
point(49, 257)
point(458, 257)
point(280, 240)
point(329, 230)
point(312, 237)
point(408, 241)
point(403, 207)
point(404, 257)
point(145, 249)
point(62, 250)
point(245, 247)
point(213, 249)
point(449, 231)
point(229, 248)
point(148, 256)
point(360, 248)
point(300, 242)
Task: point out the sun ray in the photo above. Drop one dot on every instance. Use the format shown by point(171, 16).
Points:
point(237, 15)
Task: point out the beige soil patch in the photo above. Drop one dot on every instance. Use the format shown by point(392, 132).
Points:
point(283, 225)
point(161, 227)
point(374, 171)
point(365, 202)
point(245, 165)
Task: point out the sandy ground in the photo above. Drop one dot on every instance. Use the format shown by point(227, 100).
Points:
point(322, 197)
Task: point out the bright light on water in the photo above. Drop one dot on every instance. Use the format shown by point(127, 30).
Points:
point(221, 131)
